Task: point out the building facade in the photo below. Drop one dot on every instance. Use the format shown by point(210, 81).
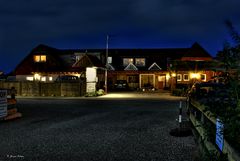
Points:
point(140, 68)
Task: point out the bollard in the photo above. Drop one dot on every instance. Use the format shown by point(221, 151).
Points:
point(180, 114)
point(182, 130)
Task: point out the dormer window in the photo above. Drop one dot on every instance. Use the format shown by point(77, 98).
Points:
point(78, 57)
point(127, 61)
point(109, 60)
point(40, 58)
point(140, 62)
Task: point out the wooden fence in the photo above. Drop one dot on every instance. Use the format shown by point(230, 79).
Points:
point(205, 126)
point(70, 89)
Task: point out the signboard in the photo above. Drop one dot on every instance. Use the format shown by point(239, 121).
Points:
point(219, 134)
point(91, 87)
point(91, 74)
point(3, 103)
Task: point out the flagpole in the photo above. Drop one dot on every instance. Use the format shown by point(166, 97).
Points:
point(106, 63)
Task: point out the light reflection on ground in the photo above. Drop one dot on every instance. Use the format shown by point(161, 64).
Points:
point(141, 95)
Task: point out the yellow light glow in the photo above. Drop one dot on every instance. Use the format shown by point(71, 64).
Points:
point(29, 78)
point(173, 74)
point(43, 79)
point(78, 75)
point(37, 77)
point(43, 58)
point(167, 76)
point(37, 58)
point(40, 58)
point(194, 75)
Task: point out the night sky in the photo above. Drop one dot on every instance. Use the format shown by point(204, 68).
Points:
point(74, 24)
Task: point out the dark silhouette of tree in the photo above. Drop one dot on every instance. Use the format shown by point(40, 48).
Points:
point(230, 114)
point(230, 55)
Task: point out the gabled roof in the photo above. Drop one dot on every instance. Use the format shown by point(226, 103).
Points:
point(154, 66)
point(64, 59)
point(196, 52)
point(54, 63)
point(131, 66)
point(110, 67)
point(88, 61)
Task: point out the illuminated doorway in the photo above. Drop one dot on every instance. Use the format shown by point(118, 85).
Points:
point(147, 81)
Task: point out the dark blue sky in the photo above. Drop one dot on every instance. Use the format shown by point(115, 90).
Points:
point(133, 24)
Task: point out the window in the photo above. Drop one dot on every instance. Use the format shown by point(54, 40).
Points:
point(29, 78)
point(185, 77)
point(78, 57)
point(133, 79)
point(40, 58)
point(127, 61)
point(109, 60)
point(203, 77)
point(140, 62)
point(179, 77)
point(43, 79)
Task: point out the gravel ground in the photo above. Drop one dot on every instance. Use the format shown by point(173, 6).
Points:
point(98, 129)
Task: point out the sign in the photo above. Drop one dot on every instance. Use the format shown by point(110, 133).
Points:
point(219, 134)
point(91, 87)
point(91, 74)
point(3, 103)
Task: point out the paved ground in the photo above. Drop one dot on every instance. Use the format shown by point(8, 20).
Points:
point(131, 127)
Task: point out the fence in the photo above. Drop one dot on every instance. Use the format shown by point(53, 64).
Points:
point(69, 89)
point(205, 126)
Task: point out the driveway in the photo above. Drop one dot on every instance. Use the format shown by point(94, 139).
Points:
point(131, 127)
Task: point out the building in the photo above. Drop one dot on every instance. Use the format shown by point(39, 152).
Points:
point(141, 68)
point(159, 68)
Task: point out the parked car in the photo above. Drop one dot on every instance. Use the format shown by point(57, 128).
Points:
point(67, 78)
point(121, 84)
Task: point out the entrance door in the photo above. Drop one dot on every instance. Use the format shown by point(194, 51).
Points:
point(147, 81)
point(161, 82)
point(133, 81)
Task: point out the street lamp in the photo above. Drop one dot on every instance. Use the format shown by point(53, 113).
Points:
point(106, 63)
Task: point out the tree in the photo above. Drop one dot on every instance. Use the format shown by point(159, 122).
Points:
point(230, 57)
point(230, 112)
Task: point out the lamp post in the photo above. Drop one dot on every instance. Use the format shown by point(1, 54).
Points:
point(106, 63)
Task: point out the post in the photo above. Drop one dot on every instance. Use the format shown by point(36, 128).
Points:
point(106, 63)
point(180, 114)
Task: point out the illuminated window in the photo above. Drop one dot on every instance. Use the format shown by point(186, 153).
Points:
point(40, 58)
point(185, 77)
point(29, 78)
point(203, 77)
point(109, 60)
point(127, 61)
point(50, 78)
point(43, 58)
point(37, 77)
point(43, 79)
point(179, 77)
point(140, 62)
